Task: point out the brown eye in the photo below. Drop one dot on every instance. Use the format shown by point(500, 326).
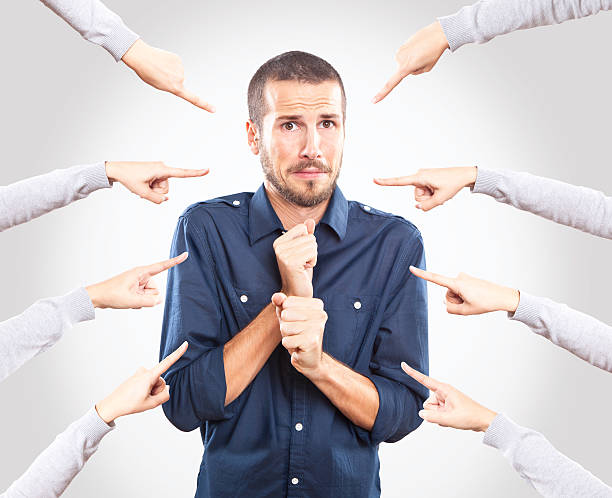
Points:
point(327, 124)
point(289, 126)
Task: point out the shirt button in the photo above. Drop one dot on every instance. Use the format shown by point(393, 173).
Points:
point(236, 202)
point(295, 480)
point(357, 305)
point(244, 298)
point(298, 427)
point(367, 208)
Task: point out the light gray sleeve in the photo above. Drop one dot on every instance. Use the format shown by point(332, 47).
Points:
point(538, 462)
point(55, 468)
point(31, 198)
point(580, 334)
point(577, 207)
point(40, 327)
point(487, 19)
point(96, 23)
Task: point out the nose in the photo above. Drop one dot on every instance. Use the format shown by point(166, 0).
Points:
point(312, 145)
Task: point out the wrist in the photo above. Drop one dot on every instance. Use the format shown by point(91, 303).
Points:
point(106, 411)
point(470, 174)
point(95, 296)
point(486, 419)
point(442, 40)
point(321, 372)
point(111, 171)
point(511, 300)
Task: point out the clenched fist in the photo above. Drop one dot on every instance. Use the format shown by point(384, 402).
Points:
point(296, 255)
point(302, 324)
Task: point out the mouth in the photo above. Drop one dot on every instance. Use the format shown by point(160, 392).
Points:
point(310, 173)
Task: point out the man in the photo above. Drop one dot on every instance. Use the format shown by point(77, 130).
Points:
point(293, 396)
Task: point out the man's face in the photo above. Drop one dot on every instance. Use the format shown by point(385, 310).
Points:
point(301, 140)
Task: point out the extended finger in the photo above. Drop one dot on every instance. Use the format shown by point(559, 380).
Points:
point(398, 181)
point(156, 268)
point(169, 360)
point(169, 172)
point(395, 80)
point(421, 378)
point(447, 282)
point(195, 100)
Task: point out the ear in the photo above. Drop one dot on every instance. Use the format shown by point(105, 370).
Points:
point(252, 137)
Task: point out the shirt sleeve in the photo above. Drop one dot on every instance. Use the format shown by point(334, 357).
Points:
point(55, 468)
point(96, 23)
point(577, 207)
point(402, 336)
point(487, 19)
point(39, 327)
point(538, 462)
point(197, 380)
point(580, 334)
point(28, 199)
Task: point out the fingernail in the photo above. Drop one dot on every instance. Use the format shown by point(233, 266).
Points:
point(418, 206)
point(404, 365)
point(185, 343)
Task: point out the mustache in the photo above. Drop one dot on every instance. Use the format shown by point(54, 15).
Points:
point(313, 163)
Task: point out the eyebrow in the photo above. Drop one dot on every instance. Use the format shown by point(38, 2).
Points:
point(297, 117)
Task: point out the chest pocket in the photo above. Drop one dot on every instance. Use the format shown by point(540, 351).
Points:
point(348, 320)
point(247, 304)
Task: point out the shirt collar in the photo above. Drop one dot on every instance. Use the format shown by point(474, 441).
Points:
point(263, 219)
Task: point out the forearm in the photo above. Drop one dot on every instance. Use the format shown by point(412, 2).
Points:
point(247, 352)
point(536, 460)
point(40, 327)
point(580, 334)
point(96, 23)
point(578, 207)
point(352, 393)
point(487, 19)
point(31, 198)
point(53, 470)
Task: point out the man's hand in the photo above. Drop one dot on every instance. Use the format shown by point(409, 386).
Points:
point(433, 187)
point(133, 288)
point(162, 70)
point(142, 391)
point(418, 55)
point(302, 324)
point(449, 407)
point(149, 180)
point(296, 255)
point(467, 295)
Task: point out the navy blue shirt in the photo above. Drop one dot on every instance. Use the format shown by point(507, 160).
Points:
point(282, 436)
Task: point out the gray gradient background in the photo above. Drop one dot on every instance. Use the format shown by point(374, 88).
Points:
point(535, 100)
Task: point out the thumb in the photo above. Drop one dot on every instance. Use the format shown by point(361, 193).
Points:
point(278, 299)
point(153, 196)
point(428, 204)
point(157, 399)
point(454, 308)
point(310, 226)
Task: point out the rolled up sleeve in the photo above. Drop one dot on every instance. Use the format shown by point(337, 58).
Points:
point(402, 336)
point(197, 380)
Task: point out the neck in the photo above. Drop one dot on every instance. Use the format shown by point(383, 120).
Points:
point(291, 215)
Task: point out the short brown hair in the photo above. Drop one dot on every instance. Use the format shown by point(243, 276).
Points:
point(295, 65)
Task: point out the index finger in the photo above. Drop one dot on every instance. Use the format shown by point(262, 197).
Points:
point(156, 268)
point(183, 173)
point(195, 100)
point(395, 80)
point(398, 181)
point(169, 360)
point(447, 282)
point(421, 378)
